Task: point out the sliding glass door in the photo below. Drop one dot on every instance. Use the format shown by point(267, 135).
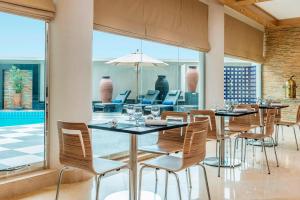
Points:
point(22, 93)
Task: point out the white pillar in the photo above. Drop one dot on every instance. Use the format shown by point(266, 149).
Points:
point(70, 67)
point(214, 80)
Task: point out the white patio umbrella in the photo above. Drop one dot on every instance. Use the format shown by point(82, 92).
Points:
point(137, 59)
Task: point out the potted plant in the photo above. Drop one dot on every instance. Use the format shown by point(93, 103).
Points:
point(17, 85)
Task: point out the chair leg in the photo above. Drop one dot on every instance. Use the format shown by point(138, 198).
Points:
point(230, 152)
point(234, 150)
point(282, 135)
point(156, 180)
point(275, 151)
point(296, 138)
point(217, 144)
point(140, 181)
point(206, 181)
point(242, 148)
point(59, 182)
point(188, 178)
point(264, 148)
point(276, 134)
point(98, 186)
point(219, 167)
point(245, 149)
point(178, 185)
point(166, 185)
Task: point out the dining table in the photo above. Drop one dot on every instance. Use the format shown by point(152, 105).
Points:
point(134, 131)
point(220, 116)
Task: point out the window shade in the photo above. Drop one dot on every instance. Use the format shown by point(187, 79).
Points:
point(120, 16)
point(178, 22)
point(41, 9)
point(243, 40)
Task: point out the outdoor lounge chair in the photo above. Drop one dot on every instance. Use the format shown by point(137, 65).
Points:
point(114, 106)
point(150, 97)
point(169, 102)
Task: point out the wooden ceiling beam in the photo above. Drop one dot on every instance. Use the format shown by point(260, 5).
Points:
point(253, 12)
point(248, 2)
point(292, 22)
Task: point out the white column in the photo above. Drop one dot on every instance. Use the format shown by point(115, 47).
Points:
point(70, 67)
point(214, 80)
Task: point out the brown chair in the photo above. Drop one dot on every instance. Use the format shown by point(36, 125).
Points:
point(290, 124)
point(268, 131)
point(169, 141)
point(194, 151)
point(75, 150)
point(198, 115)
point(242, 123)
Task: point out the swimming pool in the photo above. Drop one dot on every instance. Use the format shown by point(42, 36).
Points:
point(21, 117)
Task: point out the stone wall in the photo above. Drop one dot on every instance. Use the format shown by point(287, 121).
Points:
point(26, 94)
point(282, 59)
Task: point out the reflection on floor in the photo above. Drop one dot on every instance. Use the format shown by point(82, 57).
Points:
point(249, 181)
point(21, 145)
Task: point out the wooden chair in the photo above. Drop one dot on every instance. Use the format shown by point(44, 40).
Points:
point(243, 123)
point(75, 150)
point(268, 131)
point(169, 141)
point(290, 124)
point(198, 115)
point(194, 151)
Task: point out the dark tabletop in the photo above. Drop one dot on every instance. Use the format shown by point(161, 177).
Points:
point(273, 106)
point(225, 113)
point(132, 129)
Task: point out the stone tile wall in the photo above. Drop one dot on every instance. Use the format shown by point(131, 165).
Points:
point(282, 59)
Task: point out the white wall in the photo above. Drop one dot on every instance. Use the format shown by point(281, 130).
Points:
point(214, 84)
point(70, 67)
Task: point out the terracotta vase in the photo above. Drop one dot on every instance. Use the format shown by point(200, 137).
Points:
point(192, 77)
point(106, 89)
point(17, 100)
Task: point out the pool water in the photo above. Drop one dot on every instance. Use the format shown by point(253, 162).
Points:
point(21, 117)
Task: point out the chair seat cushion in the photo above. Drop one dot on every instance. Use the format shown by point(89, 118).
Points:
point(117, 101)
point(146, 101)
point(102, 166)
point(168, 102)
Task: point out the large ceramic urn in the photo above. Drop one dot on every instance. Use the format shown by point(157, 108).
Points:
point(106, 89)
point(162, 85)
point(192, 77)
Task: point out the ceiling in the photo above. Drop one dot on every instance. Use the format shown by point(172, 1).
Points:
point(269, 13)
point(281, 9)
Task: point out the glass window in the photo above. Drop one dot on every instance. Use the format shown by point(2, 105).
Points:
point(22, 93)
point(177, 79)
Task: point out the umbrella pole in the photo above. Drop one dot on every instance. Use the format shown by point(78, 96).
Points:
point(137, 82)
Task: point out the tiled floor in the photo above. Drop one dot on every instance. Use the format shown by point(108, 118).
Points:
point(21, 145)
point(247, 182)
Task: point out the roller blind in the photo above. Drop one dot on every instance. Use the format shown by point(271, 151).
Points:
point(41, 9)
point(243, 40)
point(178, 22)
point(120, 16)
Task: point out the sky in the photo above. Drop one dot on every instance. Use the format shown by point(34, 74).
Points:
point(22, 37)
